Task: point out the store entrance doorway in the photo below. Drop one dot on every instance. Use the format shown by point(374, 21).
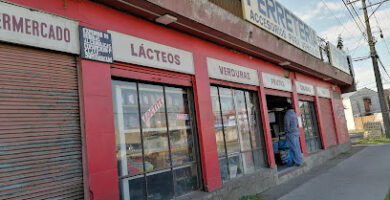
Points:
point(277, 107)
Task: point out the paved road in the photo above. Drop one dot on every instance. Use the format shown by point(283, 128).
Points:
point(363, 176)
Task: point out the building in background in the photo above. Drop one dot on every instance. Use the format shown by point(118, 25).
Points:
point(112, 99)
point(361, 106)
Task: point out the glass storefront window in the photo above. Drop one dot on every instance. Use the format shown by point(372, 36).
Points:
point(155, 141)
point(310, 126)
point(238, 134)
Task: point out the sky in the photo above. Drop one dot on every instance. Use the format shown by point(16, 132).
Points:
point(330, 18)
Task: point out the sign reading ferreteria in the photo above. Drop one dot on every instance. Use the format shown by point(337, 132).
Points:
point(35, 28)
point(222, 70)
point(95, 45)
point(271, 16)
point(338, 58)
point(304, 88)
point(323, 92)
point(276, 82)
point(138, 51)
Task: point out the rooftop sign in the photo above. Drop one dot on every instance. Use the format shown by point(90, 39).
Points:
point(338, 58)
point(271, 16)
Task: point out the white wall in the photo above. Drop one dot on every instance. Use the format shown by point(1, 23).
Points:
point(349, 114)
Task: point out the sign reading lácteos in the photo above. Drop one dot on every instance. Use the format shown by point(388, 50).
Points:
point(230, 72)
point(135, 50)
point(276, 82)
point(34, 28)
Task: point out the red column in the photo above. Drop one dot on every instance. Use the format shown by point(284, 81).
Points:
point(332, 103)
point(205, 125)
point(295, 102)
point(266, 125)
point(319, 119)
point(99, 130)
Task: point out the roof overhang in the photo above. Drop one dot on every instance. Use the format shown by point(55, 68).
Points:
point(206, 20)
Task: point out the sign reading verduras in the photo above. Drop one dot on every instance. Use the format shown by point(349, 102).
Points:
point(221, 70)
point(34, 28)
point(95, 45)
point(271, 16)
point(304, 88)
point(135, 50)
point(338, 58)
point(276, 82)
point(323, 92)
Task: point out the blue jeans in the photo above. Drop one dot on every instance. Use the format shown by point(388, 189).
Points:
point(293, 143)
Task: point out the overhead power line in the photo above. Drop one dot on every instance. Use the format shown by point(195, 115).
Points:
point(353, 18)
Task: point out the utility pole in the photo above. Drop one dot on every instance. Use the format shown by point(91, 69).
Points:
point(374, 58)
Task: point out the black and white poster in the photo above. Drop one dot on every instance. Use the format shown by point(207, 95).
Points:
point(95, 45)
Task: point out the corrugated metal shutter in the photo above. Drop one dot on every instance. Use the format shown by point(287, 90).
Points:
point(40, 140)
point(327, 121)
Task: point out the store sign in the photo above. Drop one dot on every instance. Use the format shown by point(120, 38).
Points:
point(230, 72)
point(34, 28)
point(304, 88)
point(271, 16)
point(323, 92)
point(152, 110)
point(276, 82)
point(338, 58)
point(138, 51)
point(95, 45)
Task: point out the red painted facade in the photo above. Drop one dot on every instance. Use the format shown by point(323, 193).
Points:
point(97, 93)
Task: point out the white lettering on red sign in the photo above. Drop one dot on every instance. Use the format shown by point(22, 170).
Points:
point(130, 49)
point(152, 110)
point(26, 26)
point(222, 70)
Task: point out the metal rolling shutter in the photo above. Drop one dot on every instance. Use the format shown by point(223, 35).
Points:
point(40, 140)
point(327, 120)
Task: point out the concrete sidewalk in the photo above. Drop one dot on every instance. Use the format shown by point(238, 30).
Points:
point(363, 176)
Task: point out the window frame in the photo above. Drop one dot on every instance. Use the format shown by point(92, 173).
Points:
point(257, 114)
point(194, 134)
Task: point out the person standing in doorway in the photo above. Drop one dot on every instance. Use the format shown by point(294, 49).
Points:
point(292, 134)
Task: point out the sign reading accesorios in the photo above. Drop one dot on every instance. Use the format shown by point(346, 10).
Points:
point(271, 16)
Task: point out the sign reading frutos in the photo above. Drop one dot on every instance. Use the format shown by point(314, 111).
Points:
point(271, 16)
point(34, 28)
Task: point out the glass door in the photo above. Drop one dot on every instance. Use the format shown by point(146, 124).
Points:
point(310, 126)
point(238, 136)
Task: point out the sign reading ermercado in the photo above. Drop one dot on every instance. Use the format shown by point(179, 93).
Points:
point(95, 45)
point(271, 16)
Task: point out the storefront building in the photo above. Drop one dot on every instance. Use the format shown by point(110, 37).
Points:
point(116, 100)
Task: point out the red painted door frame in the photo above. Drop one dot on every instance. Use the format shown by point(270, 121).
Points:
point(266, 125)
point(320, 123)
point(295, 100)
